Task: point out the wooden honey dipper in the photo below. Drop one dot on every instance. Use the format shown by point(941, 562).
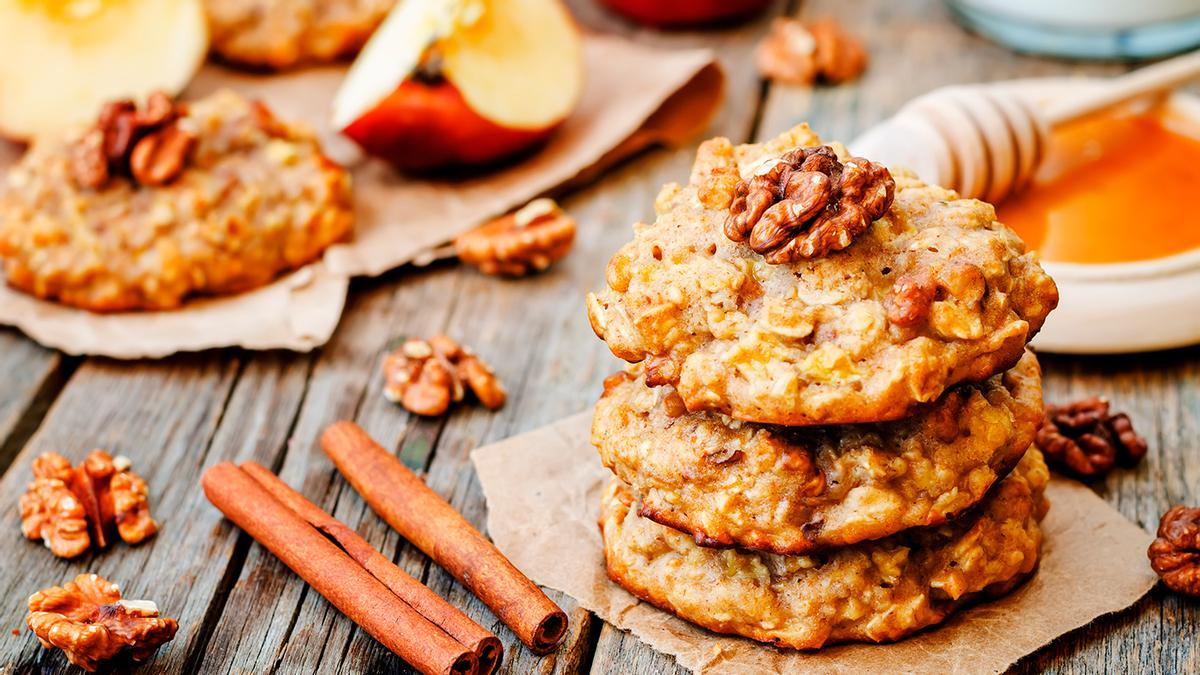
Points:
point(987, 143)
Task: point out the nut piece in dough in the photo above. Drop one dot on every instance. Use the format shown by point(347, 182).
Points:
point(88, 620)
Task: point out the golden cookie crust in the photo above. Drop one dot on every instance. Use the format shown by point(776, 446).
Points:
point(282, 33)
point(878, 591)
point(800, 489)
point(255, 198)
point(818, 341)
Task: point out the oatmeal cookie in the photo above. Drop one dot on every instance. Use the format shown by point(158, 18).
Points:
point(800, 489)
point(933, 293)
point(281, 33)
point(254, 197)
point(877, 591)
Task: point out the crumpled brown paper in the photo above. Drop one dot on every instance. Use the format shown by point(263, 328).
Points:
point(543, 492)
point(633, 97)
point(298, 311)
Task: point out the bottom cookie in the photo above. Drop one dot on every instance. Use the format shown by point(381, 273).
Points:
point(877, 591)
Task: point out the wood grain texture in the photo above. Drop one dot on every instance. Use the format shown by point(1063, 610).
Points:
point(31, 377)
point(162, 416)
point(241, 611)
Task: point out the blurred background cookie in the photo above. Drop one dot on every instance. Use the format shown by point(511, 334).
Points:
point(282, 33)
point(152, 204)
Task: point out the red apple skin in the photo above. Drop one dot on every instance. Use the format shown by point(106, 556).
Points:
point(429, 126)
point(673, 13)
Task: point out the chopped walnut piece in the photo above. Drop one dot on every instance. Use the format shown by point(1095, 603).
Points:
point(519, 243)
point(911, 298)
point(1083, 439)
point(52, 513)
point(801, 52)
point(131, 507)
point(808, 204)
point(1175, 554)
point(73, 509)
point(147, 144)
point(426, 376)
point(52, 465)
point(88, 620)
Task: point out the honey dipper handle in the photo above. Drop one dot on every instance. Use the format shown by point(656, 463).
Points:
point(1158, 78)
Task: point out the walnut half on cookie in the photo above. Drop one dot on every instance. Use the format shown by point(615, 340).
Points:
point(88, 620)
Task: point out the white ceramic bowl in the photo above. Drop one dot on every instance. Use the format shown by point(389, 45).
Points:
point(1118, 307)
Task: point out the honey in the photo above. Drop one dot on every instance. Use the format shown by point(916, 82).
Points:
point(1113, 189)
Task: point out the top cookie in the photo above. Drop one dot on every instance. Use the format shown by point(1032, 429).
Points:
point(932, 293)
point(283, 33)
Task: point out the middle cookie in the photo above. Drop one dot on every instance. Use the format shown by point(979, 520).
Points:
point(797, 489)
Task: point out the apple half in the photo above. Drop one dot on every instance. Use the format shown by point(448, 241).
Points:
point(63, 59)
point(675, 13)
point(506, 74)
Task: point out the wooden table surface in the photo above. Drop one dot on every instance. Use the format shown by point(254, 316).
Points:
point(240, 610)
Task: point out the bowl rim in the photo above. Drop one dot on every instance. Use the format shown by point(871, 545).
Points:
point(1151, 268)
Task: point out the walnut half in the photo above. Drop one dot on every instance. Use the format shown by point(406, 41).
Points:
point(149, 145)
point(1086, 440)
point(808, 204)
point(73, 509)
point(88, 620)
point(520, 243)
point(1175, 553)
point(426, 376)
point(801, 52)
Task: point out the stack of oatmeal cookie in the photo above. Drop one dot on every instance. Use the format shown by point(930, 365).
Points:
point(826, 433)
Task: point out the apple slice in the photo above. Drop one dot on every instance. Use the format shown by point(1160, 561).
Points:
point(510, 71)
point(668, 13)
point(60, 60)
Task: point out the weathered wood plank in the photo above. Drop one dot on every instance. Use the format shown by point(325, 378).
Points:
point(162, 416)
point(634, 656)
point(32, 377)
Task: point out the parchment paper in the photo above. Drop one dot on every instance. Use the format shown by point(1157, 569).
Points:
point(633, 97)
point(543, 490)
point(298, 312)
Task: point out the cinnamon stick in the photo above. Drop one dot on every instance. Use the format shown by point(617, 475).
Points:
point(402, 499)
point(488, 649)
point(334, 575)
